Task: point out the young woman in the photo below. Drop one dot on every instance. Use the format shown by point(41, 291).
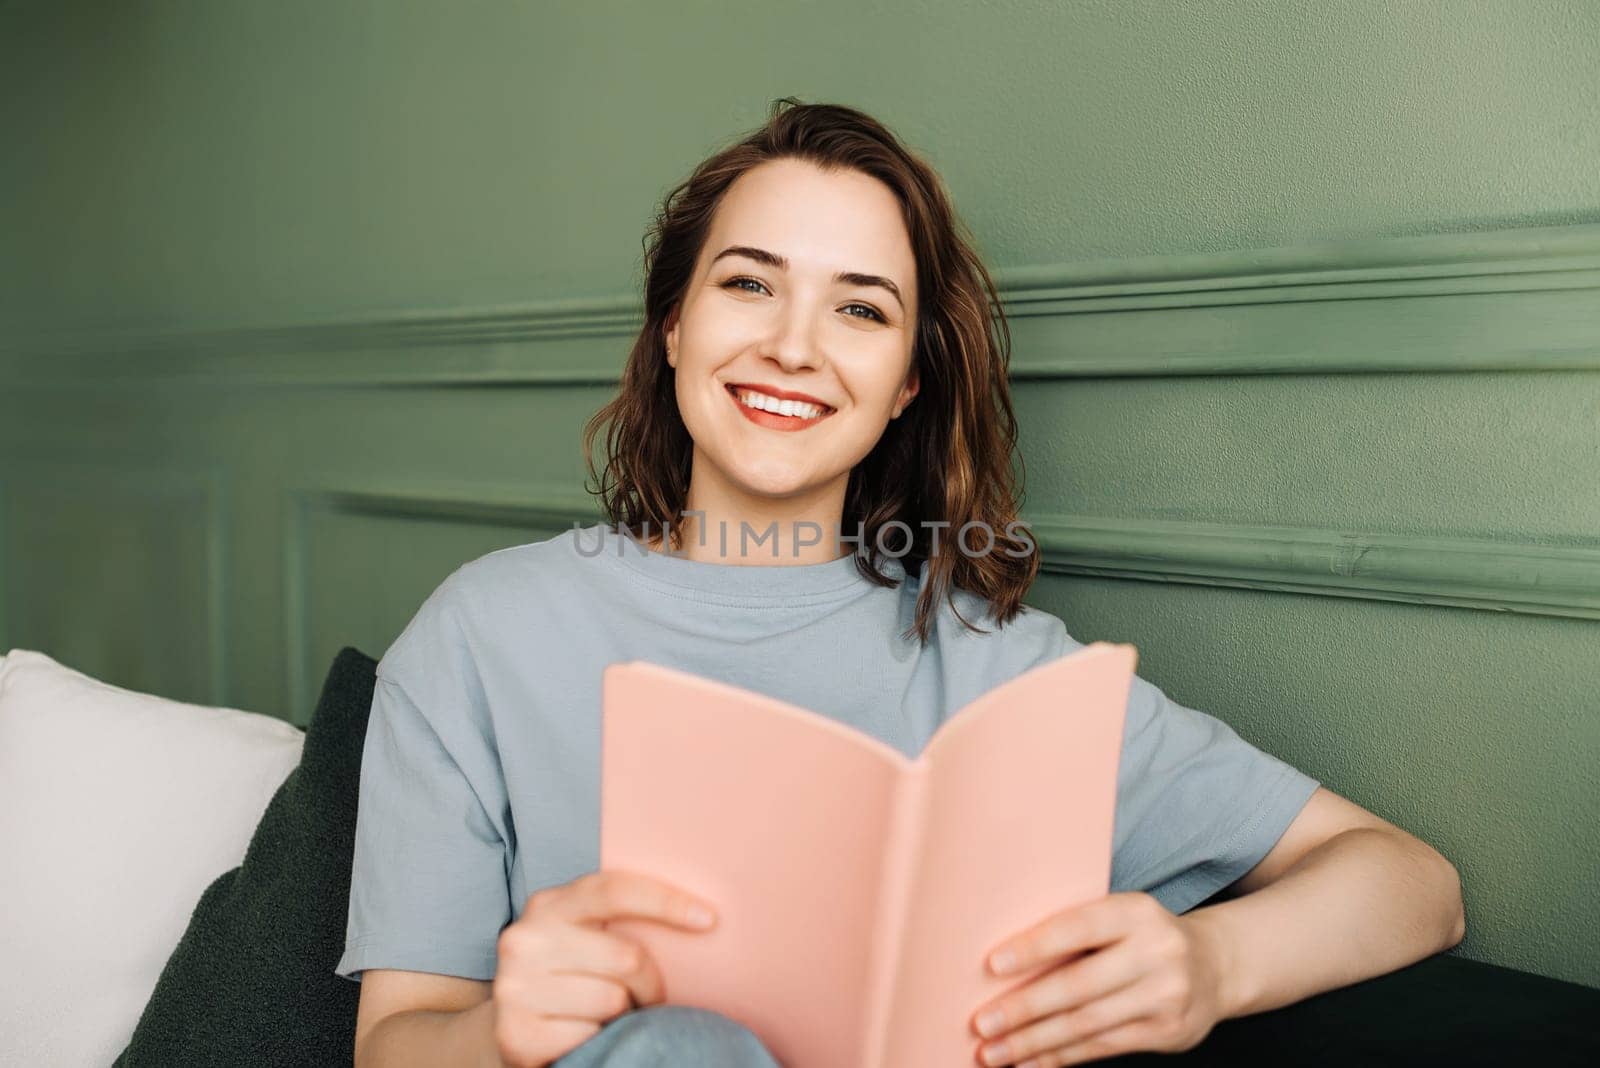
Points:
point(822, 368)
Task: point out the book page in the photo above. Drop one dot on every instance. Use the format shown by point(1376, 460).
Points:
point(1017, 825)
point(776, 815)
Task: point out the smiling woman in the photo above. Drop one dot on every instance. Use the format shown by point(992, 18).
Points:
point(821, 346)
point(821, 349)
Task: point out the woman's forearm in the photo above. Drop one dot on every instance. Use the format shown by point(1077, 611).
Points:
point(426, 1037)
point(1361, 904)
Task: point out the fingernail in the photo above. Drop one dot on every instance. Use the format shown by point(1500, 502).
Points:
point(990, 1022)
point(700, 916)
point(1001, 962)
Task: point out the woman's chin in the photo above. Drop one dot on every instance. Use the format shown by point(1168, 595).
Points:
point(776, 485)
point(776, 475)
point(776, 490)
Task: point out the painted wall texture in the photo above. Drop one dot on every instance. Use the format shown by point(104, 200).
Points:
point(413, 154)
point(303, 305)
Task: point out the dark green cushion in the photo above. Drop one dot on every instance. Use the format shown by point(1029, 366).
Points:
point(1442, 1010)
point(252, 982)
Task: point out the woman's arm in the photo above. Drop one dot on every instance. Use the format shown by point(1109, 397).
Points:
point(431, 1037)
point(1344, 895)
point(405, 1017)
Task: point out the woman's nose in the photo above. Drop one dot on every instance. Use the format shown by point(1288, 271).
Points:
point(794, 347)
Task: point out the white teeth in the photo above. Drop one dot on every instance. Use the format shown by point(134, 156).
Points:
point(799, 409)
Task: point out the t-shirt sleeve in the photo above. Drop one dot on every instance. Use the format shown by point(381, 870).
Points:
point(1197, 805)
point(429, 888)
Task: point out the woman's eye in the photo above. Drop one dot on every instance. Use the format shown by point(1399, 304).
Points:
point(870, 310)
point(873, 315)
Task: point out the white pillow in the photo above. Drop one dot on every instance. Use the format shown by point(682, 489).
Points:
point(117, 810)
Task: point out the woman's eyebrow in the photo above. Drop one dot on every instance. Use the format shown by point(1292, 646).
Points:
point(781, 263)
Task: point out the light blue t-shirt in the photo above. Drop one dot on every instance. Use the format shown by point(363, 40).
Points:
point(480, 774)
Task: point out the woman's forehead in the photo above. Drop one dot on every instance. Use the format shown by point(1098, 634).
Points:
point(820, 221)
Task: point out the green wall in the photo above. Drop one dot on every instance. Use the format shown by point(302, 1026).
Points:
point(302, 305)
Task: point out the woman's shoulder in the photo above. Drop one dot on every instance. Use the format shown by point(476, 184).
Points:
point(487, 596)
point(515, 567)
point(1031, 637)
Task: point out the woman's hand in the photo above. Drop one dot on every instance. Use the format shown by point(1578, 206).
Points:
point(1134, 977)
point(561, 975)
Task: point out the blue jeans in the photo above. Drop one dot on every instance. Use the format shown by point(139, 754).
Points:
point(662, 1036)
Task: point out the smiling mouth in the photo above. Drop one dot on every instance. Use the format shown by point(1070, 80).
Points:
point(790, 415)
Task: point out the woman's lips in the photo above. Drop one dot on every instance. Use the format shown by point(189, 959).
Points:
point(772, 420)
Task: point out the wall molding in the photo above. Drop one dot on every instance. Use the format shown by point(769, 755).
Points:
point(1506, 300)
point(491, 505)
point(1545, 580)
point(98, 479)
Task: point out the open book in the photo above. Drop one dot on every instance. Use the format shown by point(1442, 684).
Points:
point(859, 893)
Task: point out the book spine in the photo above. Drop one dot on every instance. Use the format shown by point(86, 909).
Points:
point(894, 909)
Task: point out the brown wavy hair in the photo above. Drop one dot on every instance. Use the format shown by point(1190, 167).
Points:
point(947, 458)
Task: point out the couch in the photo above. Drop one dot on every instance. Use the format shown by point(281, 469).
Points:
point(173, 884)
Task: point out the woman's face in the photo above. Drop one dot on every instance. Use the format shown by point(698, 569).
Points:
point(806, 285)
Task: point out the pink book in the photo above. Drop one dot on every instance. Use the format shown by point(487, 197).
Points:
point(859, 893)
